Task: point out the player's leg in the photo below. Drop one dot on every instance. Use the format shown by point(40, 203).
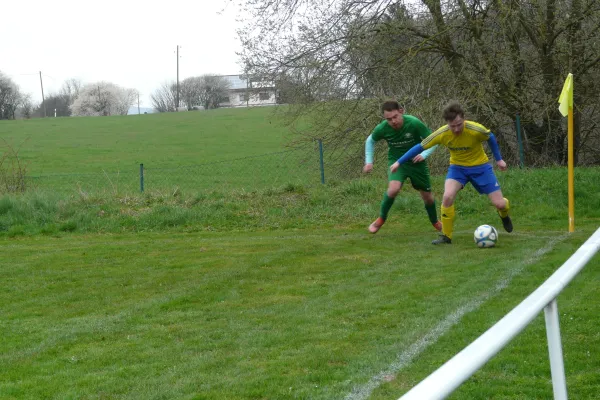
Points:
point(394, 187)
point(451, 189)
point(485, 182)
point(456, 179)
point(503, 206)
point(429, 201)
point(421, 181)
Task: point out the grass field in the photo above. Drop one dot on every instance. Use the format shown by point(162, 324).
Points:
point(271, 315)
point(225, 148)
point(89, 144)
point(278, 292)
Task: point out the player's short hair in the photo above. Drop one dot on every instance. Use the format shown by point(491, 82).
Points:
point(390, 105)
point(452, 110)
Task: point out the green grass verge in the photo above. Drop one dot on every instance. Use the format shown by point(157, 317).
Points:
point(538, 198)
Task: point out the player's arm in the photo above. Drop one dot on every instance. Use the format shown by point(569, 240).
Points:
point(409, 155)
point(423, 131)
point(369, 152)
point(423, 155)
point(496, 152)
point(434, 139)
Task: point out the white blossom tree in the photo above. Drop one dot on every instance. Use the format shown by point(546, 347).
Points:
point(102, 99)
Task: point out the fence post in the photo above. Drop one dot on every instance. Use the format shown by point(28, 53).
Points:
point(519, 139)
point(321, 161)
point(142, 178)
point(557, 367)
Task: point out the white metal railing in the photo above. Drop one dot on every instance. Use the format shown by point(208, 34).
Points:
point(462, 366)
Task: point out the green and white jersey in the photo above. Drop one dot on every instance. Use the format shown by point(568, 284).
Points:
point(413, 131)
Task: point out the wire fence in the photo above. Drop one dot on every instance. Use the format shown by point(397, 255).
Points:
point(302, 166)
point(310, 165)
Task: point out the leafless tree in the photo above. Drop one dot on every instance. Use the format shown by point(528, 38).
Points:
point(60, 103)
point(208, 91)
point(340, 58)
point(164, 98)
point(191, 91)
point(70, 90)
point(10, 97)
point(25, 109)
point(213, 90)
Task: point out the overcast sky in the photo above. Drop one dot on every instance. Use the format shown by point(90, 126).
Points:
point(128, 42)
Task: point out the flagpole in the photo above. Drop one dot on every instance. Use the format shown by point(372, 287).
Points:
point(566, 109)
point(571, 172)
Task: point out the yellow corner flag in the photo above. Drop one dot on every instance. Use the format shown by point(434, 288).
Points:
point(566, 96)
point(566, 109)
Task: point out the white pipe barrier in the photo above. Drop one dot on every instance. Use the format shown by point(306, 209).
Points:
point(462, 366)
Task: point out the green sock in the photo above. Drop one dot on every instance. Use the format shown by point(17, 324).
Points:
point(386, 204)
point(431, 212)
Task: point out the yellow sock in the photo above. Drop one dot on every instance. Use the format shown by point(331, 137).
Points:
point(448, 220)
point(504, 213)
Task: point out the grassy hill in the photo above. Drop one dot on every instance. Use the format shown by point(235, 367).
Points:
point(224, 148)
point(90, 144)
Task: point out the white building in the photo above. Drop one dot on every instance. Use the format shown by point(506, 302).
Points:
point(245, 92)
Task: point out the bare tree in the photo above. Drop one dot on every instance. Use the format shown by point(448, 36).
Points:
point(124, 99)
point(70, 90)
point(60, 103)
point(25, 109)
point(208, 91)
point(191, 91)
point(340, 58)
point(10, 97)
point(164, 98)
point(212, 90)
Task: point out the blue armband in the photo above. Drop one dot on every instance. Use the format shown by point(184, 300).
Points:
point(412, 153)
point(494, 146)
point(369, 150)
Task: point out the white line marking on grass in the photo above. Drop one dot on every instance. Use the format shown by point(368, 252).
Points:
point(407, 356)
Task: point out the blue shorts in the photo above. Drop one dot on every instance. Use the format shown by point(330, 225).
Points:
point(481, 176)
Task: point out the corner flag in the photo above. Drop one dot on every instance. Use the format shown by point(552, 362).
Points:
point(566, 109)
point(566, 96)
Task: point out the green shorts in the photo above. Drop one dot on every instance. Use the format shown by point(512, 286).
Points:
point(417, 173)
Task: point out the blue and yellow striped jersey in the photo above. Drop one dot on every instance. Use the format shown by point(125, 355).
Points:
point(466, 148)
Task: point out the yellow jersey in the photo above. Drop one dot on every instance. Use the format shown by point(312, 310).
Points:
point(466, 148)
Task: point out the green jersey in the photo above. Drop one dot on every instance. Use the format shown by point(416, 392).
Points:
point(413, 131)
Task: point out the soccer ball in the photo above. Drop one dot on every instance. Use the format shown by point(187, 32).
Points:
point(486, 236)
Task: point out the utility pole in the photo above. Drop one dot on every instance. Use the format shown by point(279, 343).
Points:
point(177, 100)
point(43, 100)
point(138, 93)
point(247, 92)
